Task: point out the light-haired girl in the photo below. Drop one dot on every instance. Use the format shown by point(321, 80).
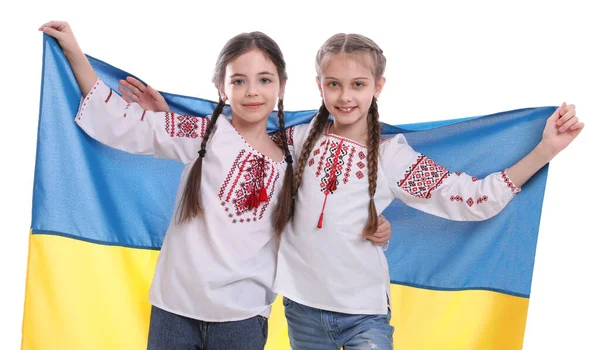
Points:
point(336, 287)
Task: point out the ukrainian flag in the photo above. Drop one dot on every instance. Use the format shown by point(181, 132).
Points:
point(99, 218)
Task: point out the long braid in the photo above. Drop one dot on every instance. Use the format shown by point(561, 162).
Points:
point(190, 202)
point(374, 135)
point(315, 132)
point(285, 204)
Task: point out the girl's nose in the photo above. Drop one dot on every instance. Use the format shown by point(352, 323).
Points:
point(252, 91)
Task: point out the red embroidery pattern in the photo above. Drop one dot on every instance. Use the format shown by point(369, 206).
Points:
point(469, 201)
point(289, 133)
point(474, 179)
point(125, 112)
point(269, 184)
point(229, 175)
point(341, 138)
point(422, 177)
point(336, 159)
point(335, 152)
point(349, 166)
point(170, 123)
point(315, 153)
point(143, 114)
point(513, 188)
point(187, 126)
point(184, 125)
point(87, 99)
point(322, 160)
point(247, 172)
point(333, 166)
point(109, 96)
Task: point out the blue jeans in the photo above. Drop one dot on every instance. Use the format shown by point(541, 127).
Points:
point(169, 331)
point(315, 329)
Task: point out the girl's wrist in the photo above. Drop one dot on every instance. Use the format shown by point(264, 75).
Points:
point(71, 48)
point(544, 152)
point(72, 52)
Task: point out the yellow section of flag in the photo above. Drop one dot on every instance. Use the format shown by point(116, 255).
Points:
point(82, 295)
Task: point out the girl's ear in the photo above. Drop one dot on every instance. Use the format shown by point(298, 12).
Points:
point(379, 86)
point(222, 93)
point(319, 85)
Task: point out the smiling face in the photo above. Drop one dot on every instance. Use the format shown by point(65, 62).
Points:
point(347, 85)
point(252, 87)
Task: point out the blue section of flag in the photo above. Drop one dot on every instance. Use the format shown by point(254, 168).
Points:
point(88, 191)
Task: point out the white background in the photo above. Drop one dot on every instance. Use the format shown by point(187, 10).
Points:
point(445, 60)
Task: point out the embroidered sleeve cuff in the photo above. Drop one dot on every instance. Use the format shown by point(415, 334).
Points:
point(513, 188)
point(86, 98)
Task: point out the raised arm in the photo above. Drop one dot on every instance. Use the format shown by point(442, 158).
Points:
point(84, 73)
point(118, 123)
point(423, 184)
point(561, 129)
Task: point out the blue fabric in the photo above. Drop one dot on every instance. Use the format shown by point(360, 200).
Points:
point(88, 191)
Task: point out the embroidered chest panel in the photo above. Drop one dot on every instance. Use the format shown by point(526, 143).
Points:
point(336, 161)
point(248, 187)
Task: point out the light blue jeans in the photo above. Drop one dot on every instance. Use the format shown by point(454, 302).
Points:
point(315, 329)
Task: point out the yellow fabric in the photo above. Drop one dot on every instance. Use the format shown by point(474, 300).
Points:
point(82, 295)
point(75, 289)
point(469, 319)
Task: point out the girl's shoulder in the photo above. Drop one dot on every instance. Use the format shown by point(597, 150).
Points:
point(392, 141)
point(293, 134)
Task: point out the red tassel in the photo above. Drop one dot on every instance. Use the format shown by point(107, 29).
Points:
point(332, 185)
point(262, 196)
point(251, 201)
point(320, 224)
